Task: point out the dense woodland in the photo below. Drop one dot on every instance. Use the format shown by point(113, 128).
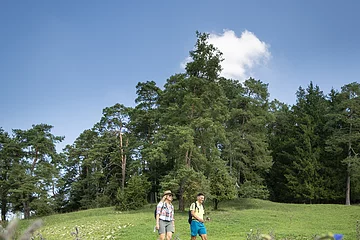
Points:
point(199, 132)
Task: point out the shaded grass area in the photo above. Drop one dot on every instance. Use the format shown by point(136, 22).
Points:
point(234, 220)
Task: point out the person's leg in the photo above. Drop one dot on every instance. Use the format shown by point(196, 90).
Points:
point(194, 229)
point(162, 230)
point(202, 231)
point(203, 237)
point(169, 235)
point(169, 230)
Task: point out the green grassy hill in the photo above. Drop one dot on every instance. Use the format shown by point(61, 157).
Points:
point(234, 220)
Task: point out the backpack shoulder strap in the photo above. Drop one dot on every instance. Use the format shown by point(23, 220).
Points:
point(162, 206)
point(196, 206)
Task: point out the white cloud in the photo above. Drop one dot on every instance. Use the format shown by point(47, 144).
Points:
point(241, 54)
point(183, 63)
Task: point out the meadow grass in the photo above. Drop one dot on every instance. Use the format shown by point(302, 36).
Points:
point(237, 219)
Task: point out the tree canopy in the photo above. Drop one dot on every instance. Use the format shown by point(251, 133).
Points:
point(200, 132)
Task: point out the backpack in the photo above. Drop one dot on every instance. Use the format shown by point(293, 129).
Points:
point(190, 216)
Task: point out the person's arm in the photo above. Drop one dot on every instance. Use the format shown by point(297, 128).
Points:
point(157, 226)
point(158, 212)
point(173, 221)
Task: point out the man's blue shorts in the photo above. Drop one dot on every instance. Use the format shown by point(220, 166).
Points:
point(197, 228)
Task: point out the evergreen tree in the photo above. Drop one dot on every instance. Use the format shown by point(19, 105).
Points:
point(38, 170)
point(344, 143)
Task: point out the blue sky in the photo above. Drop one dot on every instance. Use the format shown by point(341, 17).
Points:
point(62, 62)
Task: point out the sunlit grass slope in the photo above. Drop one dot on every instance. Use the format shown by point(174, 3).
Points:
point(234, 220)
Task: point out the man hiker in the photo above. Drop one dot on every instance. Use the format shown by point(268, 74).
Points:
point(197, 226)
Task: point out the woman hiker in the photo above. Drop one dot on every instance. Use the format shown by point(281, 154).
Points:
point(165, 223)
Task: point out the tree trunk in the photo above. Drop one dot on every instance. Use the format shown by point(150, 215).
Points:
point(34, 162)
point(181, 197)
point(231, 161)
point(181, 203)
point(26, 210)
point(347, 201)
point(123, 171)
point(216, 203)
point(3, 209)
point(188, 156)
point(123, 162)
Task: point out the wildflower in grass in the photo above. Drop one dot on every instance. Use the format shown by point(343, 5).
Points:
point(338, 236)
point(331, 236)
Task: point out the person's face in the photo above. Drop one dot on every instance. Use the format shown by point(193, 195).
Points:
point(201, 199)
point(169, 197)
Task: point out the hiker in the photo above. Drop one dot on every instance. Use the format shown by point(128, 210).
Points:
point(165, 222)
point(197, 226)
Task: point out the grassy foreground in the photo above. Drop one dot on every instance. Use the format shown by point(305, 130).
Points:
point(234, 220)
